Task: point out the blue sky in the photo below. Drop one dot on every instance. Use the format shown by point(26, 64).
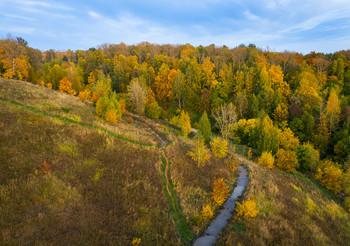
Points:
point(294, 25)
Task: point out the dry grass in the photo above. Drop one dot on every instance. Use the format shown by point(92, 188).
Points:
point(292, 211)
point(193, 183)
point(102, 190)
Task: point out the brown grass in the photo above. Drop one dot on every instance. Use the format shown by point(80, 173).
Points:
point(102, 190)
point(194, 184)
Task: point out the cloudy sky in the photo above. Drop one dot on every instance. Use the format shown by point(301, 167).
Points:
point(295, 25)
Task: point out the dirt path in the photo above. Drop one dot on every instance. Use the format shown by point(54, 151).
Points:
point(217, 225)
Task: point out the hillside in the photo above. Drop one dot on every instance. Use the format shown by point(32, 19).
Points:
point(67, 177)
point(293, 210)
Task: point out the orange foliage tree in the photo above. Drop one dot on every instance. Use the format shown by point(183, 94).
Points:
point(220, 191)
point(66, 86)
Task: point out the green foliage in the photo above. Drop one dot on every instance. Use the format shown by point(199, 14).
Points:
point(205, 127)
point(308, 157)
point(219, 147)
point(329, 175)
point(153, 111)
point(267, 136)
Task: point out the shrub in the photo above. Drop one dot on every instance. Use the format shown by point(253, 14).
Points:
point(207, 213)
point(220, 191)
point(136, 241)
point(153, 111)
point(129, 120)
point(329, 175)
point(286, 160)
point(232, 164)
point(266, 160)
point(247, 209)
point(219, 147)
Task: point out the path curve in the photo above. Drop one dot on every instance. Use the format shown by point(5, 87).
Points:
point(218, 224)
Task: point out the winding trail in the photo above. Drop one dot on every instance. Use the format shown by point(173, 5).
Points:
point(218, 224)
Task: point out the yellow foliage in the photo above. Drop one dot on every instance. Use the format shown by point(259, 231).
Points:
point(66, 86)
point(219, 147)
point(111, 116)
point(41, 83)
point(220, 191)
point(207, 212)
point(15, 68)
point(266, 160)
point(329, 176)
point(185, 122)
point(232, 164)
point(347, 203)
point(200, 154)
point(287, 139)
point(286, 160)
point(49, 85)
point(250, 153)
point(84, 95)
point(136, 241)
point(247, 209)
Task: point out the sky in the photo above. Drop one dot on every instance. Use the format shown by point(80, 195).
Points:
point(277, 25)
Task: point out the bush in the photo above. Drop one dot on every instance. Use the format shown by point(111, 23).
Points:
point(286, 160)
point(247, 209)
point(266, 160)
point(220, 192)
point(329, 175)
point(219, 147)
point(153, 111)
point(111, 115)
point(84, 95)
point(207, 213)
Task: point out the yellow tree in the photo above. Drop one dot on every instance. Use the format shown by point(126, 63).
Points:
point(199, 152)
point(287, 140)
point(333, 110)
point(185, 123)
point(219, 147)
point(220, 191)
point(286, 160)
point(66, 86)
point(209, 76)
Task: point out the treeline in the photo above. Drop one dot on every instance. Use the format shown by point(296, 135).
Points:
point(278, 96)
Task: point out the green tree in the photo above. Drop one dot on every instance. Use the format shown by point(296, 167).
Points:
point(205, 127)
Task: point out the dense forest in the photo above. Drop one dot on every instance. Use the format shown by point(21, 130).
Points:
point(292, 110)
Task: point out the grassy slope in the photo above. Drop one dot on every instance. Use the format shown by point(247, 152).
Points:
point(102, 190)
point(293, 210)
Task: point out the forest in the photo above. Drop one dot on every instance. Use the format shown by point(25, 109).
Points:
point(291, 110)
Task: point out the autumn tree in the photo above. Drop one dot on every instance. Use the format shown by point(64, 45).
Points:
point(308, 157)
point(185, 123)
point(333, 110)
point(138, 95)
point(266, 160)
point(219, 147)
point(205, 127)
point(66, 86)
point(225, 117)
point(220, 192)
point(286, 160)
point(199, 153)
point(329, 175)
point(287, 140)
